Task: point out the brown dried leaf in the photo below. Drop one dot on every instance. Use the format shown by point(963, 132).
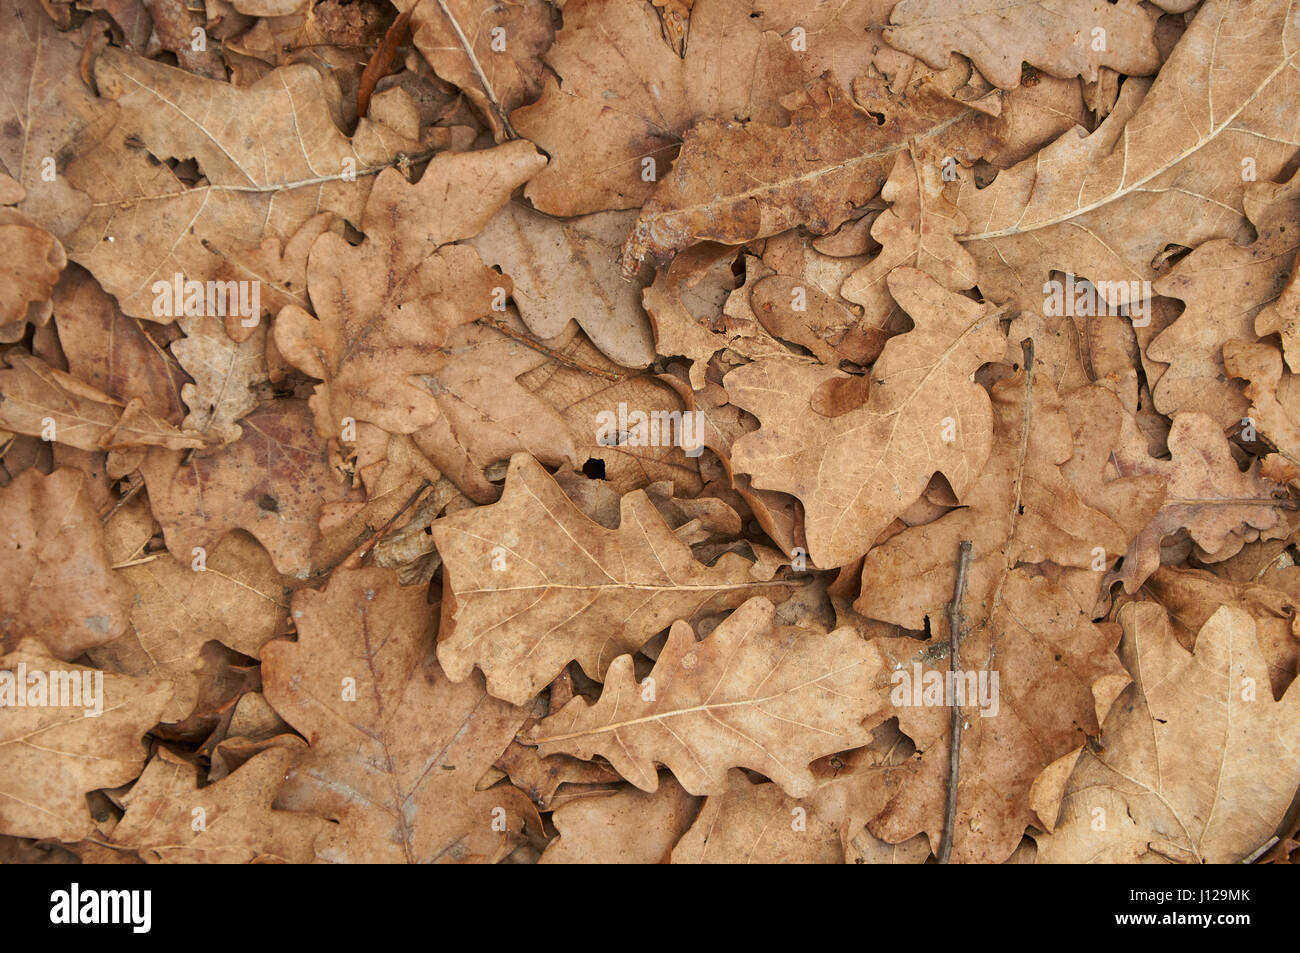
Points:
point(531, 582)
point(753, 694)
point(857, 471)
point(272, 482)
point(1199, 763)
point(396, 748)
point(1057, 36)
point(58, 585)
point(239, 824)
point(735, 182)
point(386, 307)
point(54, 754)
point(1164, 168)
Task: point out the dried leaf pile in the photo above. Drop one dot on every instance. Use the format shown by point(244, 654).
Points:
point(546, 431)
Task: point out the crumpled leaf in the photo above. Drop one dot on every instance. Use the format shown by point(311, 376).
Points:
point(43, 401)
point(123, 357)
point(497, 42)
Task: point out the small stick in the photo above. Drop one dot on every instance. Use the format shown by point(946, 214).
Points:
point(1258, 852)
point(377, 537)
point(478, 69)
point(954, 668)
point(125, 499)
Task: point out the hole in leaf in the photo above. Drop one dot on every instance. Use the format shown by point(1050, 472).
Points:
point(594, 469)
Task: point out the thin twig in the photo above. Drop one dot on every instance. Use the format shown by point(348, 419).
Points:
point(375, 538)
point(136, 562)
point(1258, 852)
point(499, 325)
point(482, 77)
point(954, 670)
point(125, 499)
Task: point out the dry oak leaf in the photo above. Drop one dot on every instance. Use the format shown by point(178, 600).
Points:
point(224, 372)
point(808, 277)
point(752, 694)
point(272, 482)
point(235, 597)
point(917, 229)
point(1064, 38)
point(853, 787)
point(627, 826)
point(842, 37)
point(734, 182)
point(531, 583)
point(386, 306)
point(1191, 596)
point(491, 49)
point(1057, 676)
point(44, 107)
point(580, 398)
point(396, 748)
point(124, 357)
point(271, 160)
point(1199, 763)
point(54, 754)
point(752, 823)
point(1220, 507)
point(856, 472)
point(1283, 318)
point(58, 584)
point(239, 826)
point(566, 271)
point(1022, 510)
point(45, 402)
point(685, 304)
point(1274, 410)
point(489, 412)
point(1225, 285)
point(613, 121)
point(1106, 205)
point(28, 273)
